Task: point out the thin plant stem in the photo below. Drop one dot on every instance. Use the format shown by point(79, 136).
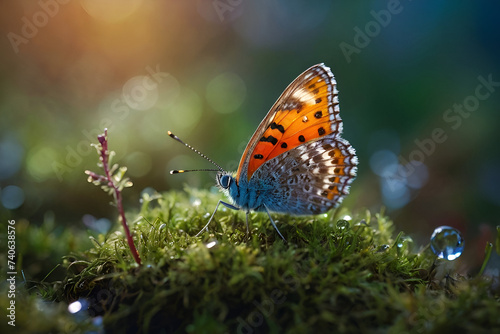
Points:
point(104, 157)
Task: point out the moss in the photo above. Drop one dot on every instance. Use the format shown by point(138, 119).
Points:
point(333, 275)
point(42, 247)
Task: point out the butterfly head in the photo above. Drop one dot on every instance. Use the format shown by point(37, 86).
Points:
point(226, 182)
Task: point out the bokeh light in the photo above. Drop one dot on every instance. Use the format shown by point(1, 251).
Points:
point(75, 307)
point(139, 164)
point(267, 24)
point(11, 156)
point(12, 197)
point(184, 115)
point(384, 163)
point(101, 225)
point(140, 93)
point(397, 179)
point(111, 10)
point(226, 93)
point(39, 162)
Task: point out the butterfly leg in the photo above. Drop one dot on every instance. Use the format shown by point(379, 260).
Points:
point(213, 214)
point(272, 222)
point(248, 230)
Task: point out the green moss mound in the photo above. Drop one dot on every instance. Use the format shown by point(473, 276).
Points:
point(333, 275)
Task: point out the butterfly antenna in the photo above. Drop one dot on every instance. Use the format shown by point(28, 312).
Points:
point(178, 171)
point(197, 152)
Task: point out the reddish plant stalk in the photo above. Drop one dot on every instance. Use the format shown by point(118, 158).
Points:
point(116, 192)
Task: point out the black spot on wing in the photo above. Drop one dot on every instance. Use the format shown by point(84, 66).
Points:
point(276, 126)
point(269, 139)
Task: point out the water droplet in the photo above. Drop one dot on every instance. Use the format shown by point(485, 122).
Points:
point(211, 244)
point(404, 243)
point(362, 222)
point(383, 248)
point(148, 194)
point(342, 225)
point(347, 217)
point(447, 243)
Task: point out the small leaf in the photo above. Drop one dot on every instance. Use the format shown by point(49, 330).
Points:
point(111, 155)
point(97, 147)
point(113, 169)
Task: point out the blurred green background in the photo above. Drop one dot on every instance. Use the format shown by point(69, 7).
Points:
point(210, 70)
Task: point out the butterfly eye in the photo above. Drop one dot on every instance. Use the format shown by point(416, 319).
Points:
point(224, 181)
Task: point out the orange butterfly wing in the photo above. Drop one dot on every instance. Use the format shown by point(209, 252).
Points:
point(305, 111)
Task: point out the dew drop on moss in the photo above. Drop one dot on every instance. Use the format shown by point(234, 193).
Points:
point(382, 248)
point(211, 244)
point(447, 243)
point(342, 225)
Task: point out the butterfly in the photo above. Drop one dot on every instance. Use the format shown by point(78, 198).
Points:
point(296, 161)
